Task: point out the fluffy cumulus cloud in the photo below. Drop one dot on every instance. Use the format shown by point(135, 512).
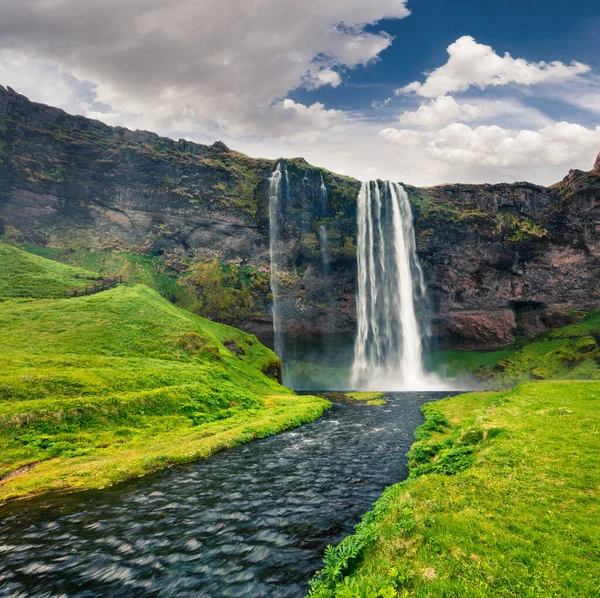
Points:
point(460, 145)
point(184, 60)
point(473, 64)
point(445, 110)
point(496, 138)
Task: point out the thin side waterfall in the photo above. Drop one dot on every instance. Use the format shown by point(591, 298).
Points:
point(323, 196)
point(275, 190)
point(388, 349)
point(324, 251)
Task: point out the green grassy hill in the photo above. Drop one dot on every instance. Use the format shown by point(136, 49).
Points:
point(26, 275)
point(503, 499)
point(97, 389)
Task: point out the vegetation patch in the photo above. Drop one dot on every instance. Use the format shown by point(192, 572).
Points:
point(370, 398)
point(571, 352)
point(25, 275)
point(98, 389)
point(502, 500)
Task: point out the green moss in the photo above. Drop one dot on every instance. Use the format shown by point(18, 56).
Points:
point(349, 248)
point(56, 174)
point(363, 396)
point(567, 353)
point(502, 501)
point(229, 292)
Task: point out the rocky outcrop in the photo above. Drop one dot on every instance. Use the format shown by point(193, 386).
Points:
point(500, 260)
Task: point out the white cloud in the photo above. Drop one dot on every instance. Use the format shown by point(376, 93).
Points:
point(441, 111)
point(473, 64)
point(560, 144)
point(445, 110)
point(184, 60)
point(321, 77)
point(407, 137)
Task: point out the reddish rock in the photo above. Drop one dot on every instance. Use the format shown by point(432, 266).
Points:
point(477, 330)
point(558, 318)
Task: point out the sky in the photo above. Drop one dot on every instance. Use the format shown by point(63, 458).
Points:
point(419, 91)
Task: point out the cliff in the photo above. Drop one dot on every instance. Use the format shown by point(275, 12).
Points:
point(192, 220)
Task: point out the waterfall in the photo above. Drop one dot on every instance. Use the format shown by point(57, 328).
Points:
point(324, 251)
point(323, 196)
point(388, 348)
point(275, 191)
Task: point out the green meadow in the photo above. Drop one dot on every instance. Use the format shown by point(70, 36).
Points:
point(98, 389)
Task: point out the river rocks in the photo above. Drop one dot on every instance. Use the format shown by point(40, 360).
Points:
point(500, 260)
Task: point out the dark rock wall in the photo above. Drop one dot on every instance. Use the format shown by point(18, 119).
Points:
point(500, 260)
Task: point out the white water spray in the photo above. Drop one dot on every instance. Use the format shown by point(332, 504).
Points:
point(388, 349)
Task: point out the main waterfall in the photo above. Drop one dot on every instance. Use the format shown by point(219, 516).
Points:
point(388, 348)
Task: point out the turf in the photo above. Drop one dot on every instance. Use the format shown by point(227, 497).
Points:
point(502, 500)
point(97, 389)
point(25, 275)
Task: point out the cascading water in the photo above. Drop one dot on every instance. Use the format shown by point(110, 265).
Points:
point(388, 348)
point(275, 190)
point(324, 250)
point(323, 196)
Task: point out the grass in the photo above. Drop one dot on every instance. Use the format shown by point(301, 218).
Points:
point(370, 398)
point(97, 389)
point(571, 352)
point(502, 500)
point(150, 270)
point(25, 275)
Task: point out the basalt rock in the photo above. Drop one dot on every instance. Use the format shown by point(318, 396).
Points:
point(500, 260)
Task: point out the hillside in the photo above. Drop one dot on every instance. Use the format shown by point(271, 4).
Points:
point(27, 275)
point(97, 389)
point(569, 352)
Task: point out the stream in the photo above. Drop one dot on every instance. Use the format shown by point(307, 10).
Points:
point(253, 521)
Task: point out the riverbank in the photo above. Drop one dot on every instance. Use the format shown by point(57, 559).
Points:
point(98, 389)
point(116, 454)
point(502, 500)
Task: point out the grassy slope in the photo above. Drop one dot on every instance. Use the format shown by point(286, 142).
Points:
point(139, 268)
point(26, 275)
point(502, 500)
point(571, 352)
point(97, 389)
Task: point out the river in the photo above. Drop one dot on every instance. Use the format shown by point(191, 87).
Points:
point(253, 521)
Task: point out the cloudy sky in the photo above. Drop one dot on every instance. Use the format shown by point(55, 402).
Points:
point(420, 91)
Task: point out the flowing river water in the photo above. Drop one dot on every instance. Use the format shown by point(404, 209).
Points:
point(253, 521)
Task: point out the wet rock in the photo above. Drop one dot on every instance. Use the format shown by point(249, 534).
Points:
point(477, 330)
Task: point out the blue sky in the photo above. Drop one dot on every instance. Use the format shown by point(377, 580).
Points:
point(421, 91)
point(536, 29)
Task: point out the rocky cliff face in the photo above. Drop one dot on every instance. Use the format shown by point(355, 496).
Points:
point(500, 260)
